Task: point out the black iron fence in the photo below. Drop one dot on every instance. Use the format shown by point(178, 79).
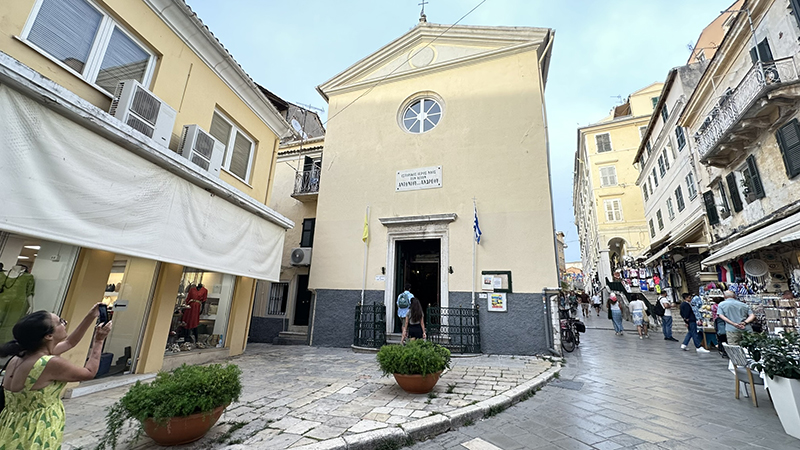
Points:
point(370, 326)
point(458, 329)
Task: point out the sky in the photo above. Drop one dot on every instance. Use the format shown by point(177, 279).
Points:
point(603, 51)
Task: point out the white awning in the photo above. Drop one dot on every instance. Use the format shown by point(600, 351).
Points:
point(61, 181)
point(656, 256)
point(758, 239)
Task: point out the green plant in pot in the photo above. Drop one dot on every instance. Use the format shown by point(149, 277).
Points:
point(415, 366)
point(177, 407)
point(779, 358)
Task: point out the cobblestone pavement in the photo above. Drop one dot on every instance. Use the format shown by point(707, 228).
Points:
point(622, 392)
point(297, 395)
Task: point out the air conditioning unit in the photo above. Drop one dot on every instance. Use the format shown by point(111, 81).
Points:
point(301, 256)
point(201, 148)
point(143, 111)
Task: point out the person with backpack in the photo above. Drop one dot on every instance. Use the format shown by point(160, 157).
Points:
point(663, 308)
point(404, 302)
point(414, 323)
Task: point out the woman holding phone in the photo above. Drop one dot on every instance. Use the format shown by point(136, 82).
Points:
point(33, 417)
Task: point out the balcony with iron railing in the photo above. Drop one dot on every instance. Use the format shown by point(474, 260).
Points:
point(740, 114)
point(306, 185)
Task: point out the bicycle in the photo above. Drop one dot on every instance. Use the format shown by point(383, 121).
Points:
point(570, 337)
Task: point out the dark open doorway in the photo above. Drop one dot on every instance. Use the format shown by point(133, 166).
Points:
point(303, 303)
point(418, 263)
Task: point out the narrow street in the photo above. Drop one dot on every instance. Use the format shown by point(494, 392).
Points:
point(622, 392)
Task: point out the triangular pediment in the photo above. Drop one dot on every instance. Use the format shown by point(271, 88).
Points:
point(433, 47)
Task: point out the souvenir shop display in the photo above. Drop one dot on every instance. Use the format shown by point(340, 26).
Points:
point(16, 297)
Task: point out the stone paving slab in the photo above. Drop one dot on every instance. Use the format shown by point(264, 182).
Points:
point(313, 398)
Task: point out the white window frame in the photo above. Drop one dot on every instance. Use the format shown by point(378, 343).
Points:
point(660, 219)
point(690, 186)
point(642, 129)
point(226, 163)
point(670, 209)
point(96, 54)
point(597, 144)
point(613, 206)
point(604, 177)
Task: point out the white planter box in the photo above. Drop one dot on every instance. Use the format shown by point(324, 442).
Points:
point(786, 398)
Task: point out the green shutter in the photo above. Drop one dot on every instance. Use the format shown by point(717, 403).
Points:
point(711, 208)
point(733, 188)
point(755, 177)
point(788, 137)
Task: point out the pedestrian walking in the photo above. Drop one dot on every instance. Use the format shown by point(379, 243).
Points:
point(597, 302)
point(573, 304)
point(737, 316)
point(33, 417)
point(691, 321)
point(615, 314)
point(404, 302)
point(719, 327)
point(666, 319)
point(414, 323)
point(584, 298)
point(638, 312)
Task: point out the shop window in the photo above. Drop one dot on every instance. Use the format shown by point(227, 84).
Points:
point(613, 209)
point(35, 276)
point(82, 38)
point(239, 146)
point(679, 198)
point(711, 208)
point(733, 188)
point(129, 290)
point(788, 137)
point(670, 209)
point(603, 142)
point(691, 189)
point(660, 219)
point(201, 312)
point(307, 239)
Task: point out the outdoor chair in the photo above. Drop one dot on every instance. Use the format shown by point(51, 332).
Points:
point(742, 370)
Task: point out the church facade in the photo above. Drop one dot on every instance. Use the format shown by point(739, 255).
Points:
point(437, 124)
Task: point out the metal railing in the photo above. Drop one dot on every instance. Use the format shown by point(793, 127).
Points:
point(732, 105)
point(370, 326)
point(457, 329)
point(307, 182)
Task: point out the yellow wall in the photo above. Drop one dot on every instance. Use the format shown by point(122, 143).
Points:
point(172, 82)
point(239, 319)
point(481, 156)
point(151, 355)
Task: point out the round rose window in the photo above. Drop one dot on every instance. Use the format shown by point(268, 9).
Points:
point(422, 115)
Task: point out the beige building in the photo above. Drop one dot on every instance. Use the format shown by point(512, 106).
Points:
point(711, 37)
point(414, 140)
point(561, 244)
point(137, 160)
point(608, 206)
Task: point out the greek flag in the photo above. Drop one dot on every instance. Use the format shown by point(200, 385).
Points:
point(475, 226)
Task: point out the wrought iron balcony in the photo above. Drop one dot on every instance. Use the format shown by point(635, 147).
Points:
point(725, 128)
point(306, 184)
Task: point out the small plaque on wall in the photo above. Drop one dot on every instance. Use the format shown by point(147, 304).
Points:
point(498, 302)
point(423, 178)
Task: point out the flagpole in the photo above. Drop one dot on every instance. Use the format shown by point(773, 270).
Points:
point(474, 252)
point(364, 279)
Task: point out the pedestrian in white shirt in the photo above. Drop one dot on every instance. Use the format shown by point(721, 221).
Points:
point(638, 310)
point(597, 302)
point(666, 319)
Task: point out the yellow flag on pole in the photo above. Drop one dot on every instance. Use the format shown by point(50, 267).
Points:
point(365, 236)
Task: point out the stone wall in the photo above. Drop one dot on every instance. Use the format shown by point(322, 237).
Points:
point(334, 311)
point(265, 329)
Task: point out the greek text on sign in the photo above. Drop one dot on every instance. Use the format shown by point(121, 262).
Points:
point(424, 178)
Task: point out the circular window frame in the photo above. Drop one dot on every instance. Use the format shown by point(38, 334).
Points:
point(427, 95)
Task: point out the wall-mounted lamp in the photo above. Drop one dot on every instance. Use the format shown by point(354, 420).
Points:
point(383, 270)
point(451, 269)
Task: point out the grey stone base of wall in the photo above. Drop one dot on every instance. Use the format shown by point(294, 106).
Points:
point(265, 329)
point(519, 331)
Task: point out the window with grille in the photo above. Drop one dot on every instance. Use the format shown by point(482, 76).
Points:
point(84, 39)
point(613, 210)
point(679, 198)
point(660, 219)
point(670, 209)
point(603, 142)
point(278, 294)
point(691, 189)
point(239, 146)
point(608, 176)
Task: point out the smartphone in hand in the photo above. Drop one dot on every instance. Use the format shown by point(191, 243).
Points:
point(103, 318)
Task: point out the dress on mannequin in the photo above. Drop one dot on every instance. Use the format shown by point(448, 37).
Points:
point(195, 298)
point(16, 290)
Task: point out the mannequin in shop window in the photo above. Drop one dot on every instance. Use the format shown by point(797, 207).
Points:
point(16, 298)
point(195, 299)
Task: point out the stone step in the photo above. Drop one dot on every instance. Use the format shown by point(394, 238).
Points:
point(290, 338)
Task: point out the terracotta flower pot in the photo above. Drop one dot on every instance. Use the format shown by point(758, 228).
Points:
point(417, 384)
point(182, 430)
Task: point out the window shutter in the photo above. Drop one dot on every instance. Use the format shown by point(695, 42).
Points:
point(733, 188)
point(221, 130)
point(66, 30)
point(711, 208)
point(789, 142)
point(240, 159)
point(755, 177)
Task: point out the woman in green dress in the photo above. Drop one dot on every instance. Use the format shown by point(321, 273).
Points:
point(33, 417)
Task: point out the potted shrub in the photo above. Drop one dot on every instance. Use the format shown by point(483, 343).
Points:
point(416, 366)
point(779, 358)
point(177, 407)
